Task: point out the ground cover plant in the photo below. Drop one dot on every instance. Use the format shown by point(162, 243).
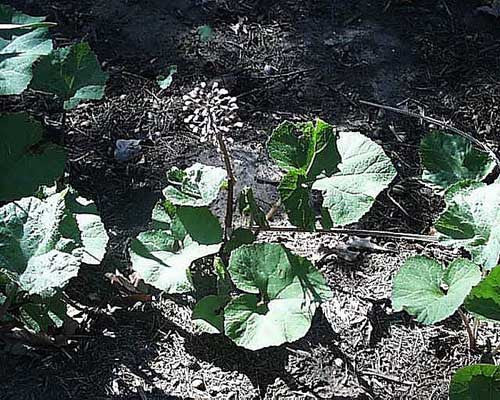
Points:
point(213, 252)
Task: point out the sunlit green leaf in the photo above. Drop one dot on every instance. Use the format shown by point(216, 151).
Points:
point(472, 221)
point(430, 292)
point(197, 186)
point(286, 290)
point(365, 170)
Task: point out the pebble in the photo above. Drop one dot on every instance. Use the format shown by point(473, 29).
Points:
point(338, 362)
point(198, 384)
point(85, 124)
point(123, 97)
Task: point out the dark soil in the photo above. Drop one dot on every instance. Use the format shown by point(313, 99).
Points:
point(440, 58)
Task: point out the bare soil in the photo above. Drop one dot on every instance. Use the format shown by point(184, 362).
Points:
point(441, 58)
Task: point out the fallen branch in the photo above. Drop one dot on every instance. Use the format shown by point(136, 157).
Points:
point(442, 124)
point(354, 232)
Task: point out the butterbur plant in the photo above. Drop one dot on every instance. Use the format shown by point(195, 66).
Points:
point(265, 295)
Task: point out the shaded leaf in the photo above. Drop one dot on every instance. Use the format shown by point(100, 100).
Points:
point(208, 313)
point(200, 224)
point(476, 382)
point(448, 159)
point(26, 161)
point(426, 290)
point(72, 73)
point(295, 197)
point(309, 147)
point(239, 237)
point(484, 299)
point(248, 206)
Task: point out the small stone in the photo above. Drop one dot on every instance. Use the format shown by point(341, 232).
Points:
point(198, 384)
point(338, 362)
point(85, 124)
point(123, 97)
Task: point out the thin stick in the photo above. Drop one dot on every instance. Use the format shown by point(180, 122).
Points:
point(442, 124)
point(472, 339)
point(354, 232)
point(228, 222)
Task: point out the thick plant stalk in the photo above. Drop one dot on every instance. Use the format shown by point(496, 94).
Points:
point(228, 222)
point(355, 232)
point(442, 124)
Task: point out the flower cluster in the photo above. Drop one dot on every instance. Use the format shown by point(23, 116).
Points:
point(212, 110)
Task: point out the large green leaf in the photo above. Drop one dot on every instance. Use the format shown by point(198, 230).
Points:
point(197, 186)
point(472, 221)
point(17, 57)
point(162, 256)
point(39, 244)
point(426, 290)
point(309, 147)
point(484, 299)
point(72, 73)
point(364, 172)
point(448, 159)
point(285, 292)
point(295, 197)
point(26, 161)
point(476, 382)
point(248, 206)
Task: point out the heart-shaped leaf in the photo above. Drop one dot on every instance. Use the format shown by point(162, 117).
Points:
point(285, 292)
point(472, 220)
point(26, 160)
point(476, 382)
point(484, 299)
point(426, 290)
point(197, 186)
point(364, 172)
point(73, 73)
point(162, 256)
point(40, 244)
point(448, 159)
